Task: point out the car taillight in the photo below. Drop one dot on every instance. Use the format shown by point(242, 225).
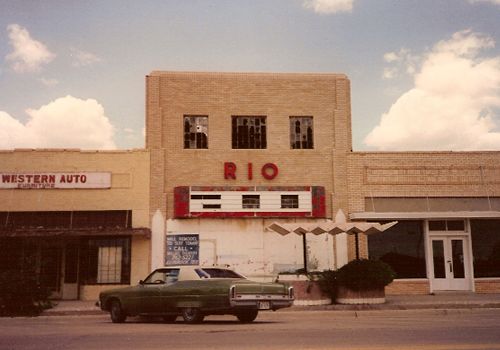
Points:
point(291, 293)
point(232, 292)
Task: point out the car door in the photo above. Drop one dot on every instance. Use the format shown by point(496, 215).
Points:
point(149, 300)
point(168, 291)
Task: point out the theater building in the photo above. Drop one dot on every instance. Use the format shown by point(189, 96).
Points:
point(227, 155)
point(233, 152)
point(78, 220)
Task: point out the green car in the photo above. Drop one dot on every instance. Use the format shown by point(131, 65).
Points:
point(195, 292)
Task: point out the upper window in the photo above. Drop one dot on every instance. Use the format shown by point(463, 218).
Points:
point(251, 201)
point(249, 132)
point(195, 131)
point(290, 201)
point(301, 132)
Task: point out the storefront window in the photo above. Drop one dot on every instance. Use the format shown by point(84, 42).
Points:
point(486, 247)
point(402, 247)
point(106, 261)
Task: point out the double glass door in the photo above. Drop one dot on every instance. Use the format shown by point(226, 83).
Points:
point(450, 263)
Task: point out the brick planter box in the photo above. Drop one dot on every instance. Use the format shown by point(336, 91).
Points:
point(348, 296)
point(307, 292)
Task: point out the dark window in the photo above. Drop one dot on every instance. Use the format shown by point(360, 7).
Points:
point(195, 131)
point(211, 206)
point(289, 201)
point(251, 201)
point(221, 273)
point(402, 247)
point(106, 261)
point(67, 219)
point(485, 235)
point(447, 225)
point(249, 132)
point(161, 276)
point(301, 132)
point(205, 196)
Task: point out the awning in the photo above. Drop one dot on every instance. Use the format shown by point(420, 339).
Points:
point(425, 215)
point(40, 232)
point(340, 225)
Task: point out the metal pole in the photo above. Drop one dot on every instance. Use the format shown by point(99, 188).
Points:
point(304, 245)
point(356, 239)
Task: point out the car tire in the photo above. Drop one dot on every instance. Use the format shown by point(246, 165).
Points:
point(192, 315)
point(116, 312)
point(169, 318)
point(247, 316)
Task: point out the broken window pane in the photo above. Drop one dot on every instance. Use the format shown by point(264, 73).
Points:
point(301, 133)
point(195, 131)
point(249, 132)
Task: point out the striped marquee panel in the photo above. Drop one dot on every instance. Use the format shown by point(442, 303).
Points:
point(217, 202)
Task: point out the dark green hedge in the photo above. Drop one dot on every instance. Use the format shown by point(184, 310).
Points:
point(21, 294)
point(365, 274)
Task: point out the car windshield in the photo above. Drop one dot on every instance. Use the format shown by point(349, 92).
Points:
point(217, 273)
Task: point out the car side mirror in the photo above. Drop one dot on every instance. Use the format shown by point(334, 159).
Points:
point(141, 282)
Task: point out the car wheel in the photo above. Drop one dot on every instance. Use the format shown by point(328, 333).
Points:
point(192, 315)
point(117, 313)
point(169, 318)
point(247, 316)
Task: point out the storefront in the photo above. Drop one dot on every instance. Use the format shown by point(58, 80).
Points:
point(78, 221)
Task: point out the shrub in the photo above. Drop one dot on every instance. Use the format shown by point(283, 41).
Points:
point(365, 274)
point(328, 283)
point(21, 294)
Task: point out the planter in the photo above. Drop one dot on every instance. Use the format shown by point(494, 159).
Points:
point(371, 296)
point(307, 292)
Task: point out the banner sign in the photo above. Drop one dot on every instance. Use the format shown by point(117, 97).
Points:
point(183, 249)
point(55, 180)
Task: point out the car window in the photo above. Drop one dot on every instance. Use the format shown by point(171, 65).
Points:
point(160, 276)
point(221, 273)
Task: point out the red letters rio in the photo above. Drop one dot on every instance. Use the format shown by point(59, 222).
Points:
point(268, 171)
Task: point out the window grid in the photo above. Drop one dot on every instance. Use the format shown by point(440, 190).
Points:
point(289, 201)
point(195, 131)
point(301, 133)
point(249, 132)
point(251, 201)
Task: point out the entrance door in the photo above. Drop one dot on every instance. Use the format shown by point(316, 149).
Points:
point(450, 262)
point(70, 283)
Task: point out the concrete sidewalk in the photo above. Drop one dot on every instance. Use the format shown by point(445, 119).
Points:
point(444, 300)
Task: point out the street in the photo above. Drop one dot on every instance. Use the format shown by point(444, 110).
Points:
point(414, 329)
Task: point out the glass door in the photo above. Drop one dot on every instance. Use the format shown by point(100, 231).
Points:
point(450, 263)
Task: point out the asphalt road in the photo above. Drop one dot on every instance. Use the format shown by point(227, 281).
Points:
point(415, 329)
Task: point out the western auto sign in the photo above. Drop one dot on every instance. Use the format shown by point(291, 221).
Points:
point(84, 180)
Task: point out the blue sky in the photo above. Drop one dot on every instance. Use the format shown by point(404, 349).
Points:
point(425, 74)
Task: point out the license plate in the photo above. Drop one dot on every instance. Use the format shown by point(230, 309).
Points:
point(264, 305)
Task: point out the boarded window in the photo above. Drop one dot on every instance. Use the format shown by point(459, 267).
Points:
point(195, 131)
point(251, 201)
point(301, 133)
point(289, 201)
point(249, 132)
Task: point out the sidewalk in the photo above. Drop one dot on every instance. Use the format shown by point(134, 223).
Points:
point(443, 301)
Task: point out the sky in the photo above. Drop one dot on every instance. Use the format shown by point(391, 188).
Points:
point(425, 74)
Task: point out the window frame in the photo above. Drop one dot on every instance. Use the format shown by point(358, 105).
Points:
point(304, 138)
point(249, 132)
point(195, 121)
point(294, 198)
point(250, 201)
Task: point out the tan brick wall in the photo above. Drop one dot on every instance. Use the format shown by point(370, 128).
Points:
point(325, 97)
point(408, 287)
point(487, 285)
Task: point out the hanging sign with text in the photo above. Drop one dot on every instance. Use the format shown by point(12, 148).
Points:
point(182, 249)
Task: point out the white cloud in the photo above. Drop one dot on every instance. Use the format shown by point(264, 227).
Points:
point(49, 81)
point(82, 58)
point(401, 61)
point(329, 6)
point(495, 2)
point(28, 55)
point(67, 122)
point(453, 105)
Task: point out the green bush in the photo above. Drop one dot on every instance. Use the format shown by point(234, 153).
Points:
point(365, 274)
point(21, 294)
point(328, 283)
